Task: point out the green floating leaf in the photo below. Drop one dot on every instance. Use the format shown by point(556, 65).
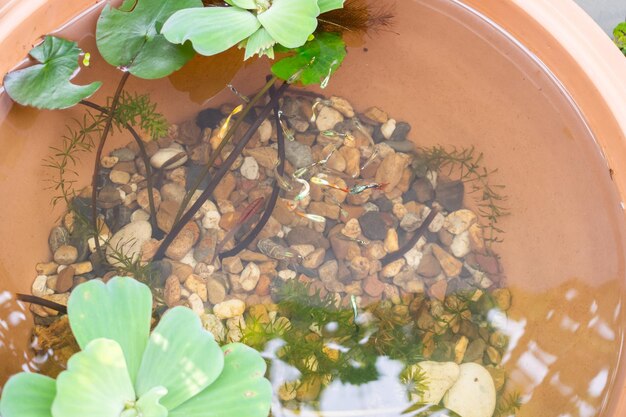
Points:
point(290, 22)
point(241, 389)
point(148, 405)
point(619, 34)
point(244, 4)
point(211, 30)
point(96, 383)
point(328, 5)
point(261, 42)
point(317, 60)
point(47, 85)
point(27, 395)
point(131, 37)
point(119, 310)
point(181, 356)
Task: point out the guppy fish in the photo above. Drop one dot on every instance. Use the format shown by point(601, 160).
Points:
point(358, 189)
point(289, 134)
point(322, 181)
point(306, 189)
point(224, 129)
point(283, 182)
point(275, 251)
point(301, 172)
point(313, 217)
point(247, 214)
point(360, 242)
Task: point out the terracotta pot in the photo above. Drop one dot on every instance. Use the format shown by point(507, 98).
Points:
point(534, 84)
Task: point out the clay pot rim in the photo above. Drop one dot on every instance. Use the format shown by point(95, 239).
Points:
point(584, 61)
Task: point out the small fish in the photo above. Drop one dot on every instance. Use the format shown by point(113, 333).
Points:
point(370, 159)
point(322, 181)
point(325, 81)
point(355, 309)
point(318, 102)
point(86, 59)
point(358, 189)
point(312, 217)
point(336, 202)
point(243, 98)
point(333, 134)
point(275, 251)
point(247, 214)
point(281, 180)
point(306, 189)
point(224, 129)
point(289, 133)
point(363, 130)
point(359, 242)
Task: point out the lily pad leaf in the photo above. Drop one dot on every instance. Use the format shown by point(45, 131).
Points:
point(96, 382)
point(119, 310)
point(47, 85)
point(244, 4)
point(619, 34)
point(290, 22)
point(181, 356)
point(211, 30)
point(241, 389)
point(130, 37)
point(148, 405)
point(317, 60)
point(28, 395)
point(328, 5)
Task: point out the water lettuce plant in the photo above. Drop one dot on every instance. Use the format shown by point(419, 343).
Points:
point(123, 370)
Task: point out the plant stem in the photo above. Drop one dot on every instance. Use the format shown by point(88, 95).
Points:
point(97, 165)
point(144, 157)
point(42, 302)
point(218, 151)
point(269, 209)
point(394, 256)
point(219, 174)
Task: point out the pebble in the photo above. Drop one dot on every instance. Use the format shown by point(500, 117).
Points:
point(129, 240)
point(216, 290)
point(450, 194)
point(460, 246)
point(65, 255)
point(437, 224)
point(373, 286)
point(164, 155)
point(39, 287)
point(314, 259)
point(502, 297)
point(196, 285)
point(387, 128)
point(288, 274)
point(298, 154)
point(229, 309)
point(327, 118)
point(390, 170)
point(265, 131)
point(473, 394)
point(108, 162)
point(304, 236)
point(184, 242)
point(303, 250)
point(123, 154)
point(402, 146)
point(213, 324)
point(441, 376)
point(65, 280)
point(265, 157)
point(329, 271)
point(172, 291)
point(449, 264)
point(343, 106)
point(392, 269)
point(250, 277)
point(459, 221)
point(46, 268)
point(119, 177)
point(166, 215)
point(413, 257)
point(409, 281)
point(232, 265)
point(429, 266)
point(352, 229)
point(249, 168)
point(376, 115)
point(373, 225)
point(196, 304)
point(204, 251)
point(58, 237)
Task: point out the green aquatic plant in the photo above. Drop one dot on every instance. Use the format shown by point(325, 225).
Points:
point(619, 36)
point(124, 370)
point(257, 25)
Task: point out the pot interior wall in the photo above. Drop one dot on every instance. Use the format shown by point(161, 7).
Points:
point(460, 82)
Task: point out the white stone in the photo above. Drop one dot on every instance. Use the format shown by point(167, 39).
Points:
point(250, 168)
point(328, 118)
point(91, 242)
point(460, 245)
point(196, 304)
point(230, 308)
point(440, 376)
point(164, 155)
point(303, 250)
point(473, 394)
point(459, 221)
point(39, 288)
point(437, 223)
point(286, 274)
point(413, 258)
point(432, 177)
point(139, 215)
point(188, 259)
point(129, 240)
point(211, 220)
point(214, 325)
point(388, 128)
point(250, 276)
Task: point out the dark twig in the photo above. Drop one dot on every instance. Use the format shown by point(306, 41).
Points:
point(269, 208)
point(97, 165)
point(32, 299)
point(219, 174)
point(394, 256)
point(144, 157)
